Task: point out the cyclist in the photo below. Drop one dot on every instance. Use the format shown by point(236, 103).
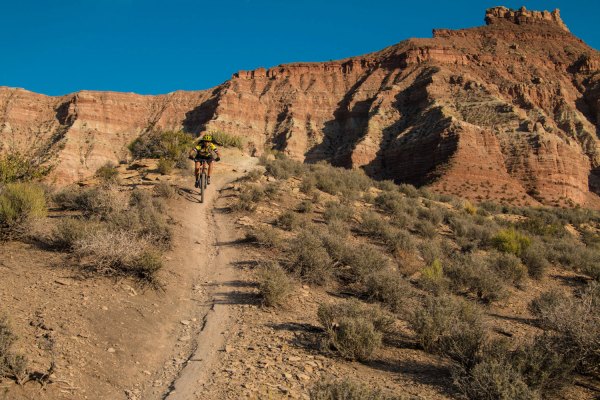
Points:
point(204, 150)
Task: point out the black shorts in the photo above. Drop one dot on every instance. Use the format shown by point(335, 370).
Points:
point(208, 159)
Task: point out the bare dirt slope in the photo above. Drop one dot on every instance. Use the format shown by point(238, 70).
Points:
point(111, 338)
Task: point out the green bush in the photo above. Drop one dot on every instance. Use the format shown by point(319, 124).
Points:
point(450, 326)
point(426, 229)
point(309, 259)
point(20, 204)
point(339, 181)
point(108, 173)
point(274, 285)
point(511, 241)
point(172, 145)
point(354, 330)
point(17, 167)
point(228, 140)
point(254, 175)
point(433, 278)
point(165, 166)
point(284, 168)
point(308, 184)
point(346, 390)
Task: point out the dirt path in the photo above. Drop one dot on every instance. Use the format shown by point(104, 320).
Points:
point(206, 244)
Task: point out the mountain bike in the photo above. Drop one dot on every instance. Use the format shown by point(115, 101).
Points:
point(201, 179)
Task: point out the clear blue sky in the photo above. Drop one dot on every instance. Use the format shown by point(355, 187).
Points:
point(159, 46)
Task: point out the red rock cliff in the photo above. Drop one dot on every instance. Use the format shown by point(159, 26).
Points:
point(509, 111)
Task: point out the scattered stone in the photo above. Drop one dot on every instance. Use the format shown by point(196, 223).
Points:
point(111, 350)
point(185, 322)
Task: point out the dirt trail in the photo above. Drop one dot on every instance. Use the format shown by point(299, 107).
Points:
point(206, 246)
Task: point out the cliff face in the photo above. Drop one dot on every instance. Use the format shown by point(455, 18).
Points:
point(507, 111)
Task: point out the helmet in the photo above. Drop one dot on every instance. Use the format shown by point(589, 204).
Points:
point(206, 138)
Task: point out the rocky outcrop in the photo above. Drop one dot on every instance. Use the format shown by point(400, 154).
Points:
point(507, 111)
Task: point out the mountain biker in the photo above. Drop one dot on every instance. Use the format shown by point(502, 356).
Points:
point(204, 150)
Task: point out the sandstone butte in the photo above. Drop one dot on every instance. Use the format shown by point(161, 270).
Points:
point(507, 111)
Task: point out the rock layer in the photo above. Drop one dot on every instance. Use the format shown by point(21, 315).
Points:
point(507, 111)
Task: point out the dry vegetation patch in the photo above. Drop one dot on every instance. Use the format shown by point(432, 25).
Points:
point(438, 265)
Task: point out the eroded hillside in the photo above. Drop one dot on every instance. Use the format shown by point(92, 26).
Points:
point(507, 111)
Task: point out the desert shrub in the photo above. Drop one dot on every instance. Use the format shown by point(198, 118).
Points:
point(309, 259)
point(171, 145)
point(165, 166)
point(373, 225)
point(335, 210)
point(99, 200)
point(353, 329)
point(12, 365)
point(433, 278)
point(544, 364)
point(164, 190)
point(17, 167)
point(338, 227)
point(544, 306)
point(289, 221)
point(265, 236)
point(284, 168)
point(430, 250)
point(433, 215)
point(254, 175)
point(468, 234)
point(340, 181)
point(450, 326)
point(308, 184)
point(20, 204)
point(470, 273)
point(248, 198)
point(493, 379)
point(69, 230)
point(543, 225)
point(389, 288)
point(228, 140)
point(272, 190)
point(118, 253)
point(426, 229)
point(386, 186)
point(392, 202)
point(534, 258)
point(359, 261)
point(108, 172)
point(511, 241)
point(409, 190)
point(507, 266)
point(305, 206)
point(399, 241)
point(574, 323)
point(346, 390)
point(273, 284)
